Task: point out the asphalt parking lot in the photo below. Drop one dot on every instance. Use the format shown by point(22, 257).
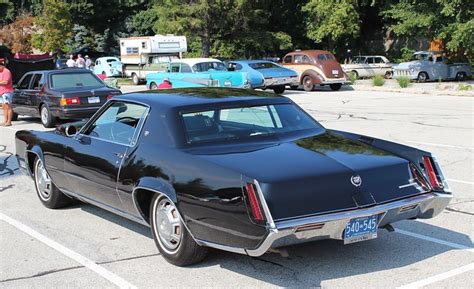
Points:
point(86, 247)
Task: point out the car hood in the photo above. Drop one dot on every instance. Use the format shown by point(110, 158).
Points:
point(319, 174)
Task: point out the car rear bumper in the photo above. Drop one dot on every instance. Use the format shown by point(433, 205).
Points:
point(277, 81)
point(332, 226)
point(335, 81)
point(83, 112)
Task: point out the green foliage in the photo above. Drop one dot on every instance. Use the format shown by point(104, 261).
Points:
point(464, 87)
point(55, 26)
point(449, 20)
point(352, 77)
point(378, 80)
point(331, 20)
point(403, 81)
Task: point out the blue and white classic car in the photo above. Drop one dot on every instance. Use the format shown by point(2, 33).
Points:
point(110, 66)
point(198, 72)
point(265, 74)
point(432, 66)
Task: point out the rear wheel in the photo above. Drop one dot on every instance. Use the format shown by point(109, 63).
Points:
point(460, 76)
point(355, 73)
point(135, 79)
point(335, 86)
point(47, 119)
point(153, 86)
point(308, 84)
point(422, 76)
point(49, 195)
point(171, 237)
point(279, 89)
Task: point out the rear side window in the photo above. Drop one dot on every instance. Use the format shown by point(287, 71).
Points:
point(37, 81)
point(185, 68)
point(287, 59)
point(70, 80)
point(325, 56)
point(25, 83)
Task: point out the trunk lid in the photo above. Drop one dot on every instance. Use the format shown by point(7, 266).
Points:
point(320, 174)
point(90, 97)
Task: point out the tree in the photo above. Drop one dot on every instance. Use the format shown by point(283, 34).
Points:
point(449, 20)
point(55, 27)
point(17, 35)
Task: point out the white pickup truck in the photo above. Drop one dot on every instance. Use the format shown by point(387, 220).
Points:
point(432, 66)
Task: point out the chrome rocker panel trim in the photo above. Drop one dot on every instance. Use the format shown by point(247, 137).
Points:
point(331, 226)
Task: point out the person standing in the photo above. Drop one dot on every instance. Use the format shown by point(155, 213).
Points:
point(6, 92)
point(70, 62)
point(88, 62)
point(80, 62)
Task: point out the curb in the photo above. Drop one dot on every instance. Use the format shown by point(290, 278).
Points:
point(413, 90)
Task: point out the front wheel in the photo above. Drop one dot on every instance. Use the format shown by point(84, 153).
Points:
point(308, 83)
point(335, 86)
point(171, 237)
point(388, 74)
point(47, 119)
point(422, 77)
point(153, 86)
point(49, 195)
point(279, 89)
point(14, 116)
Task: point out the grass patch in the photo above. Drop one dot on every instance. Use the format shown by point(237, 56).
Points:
point(124, 81)
point(352, 77)
point(378, 80)
point(403, 81)
point(464, 87)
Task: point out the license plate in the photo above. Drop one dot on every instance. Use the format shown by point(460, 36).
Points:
point(361, 229)
point(93, 99)
point(335, 72)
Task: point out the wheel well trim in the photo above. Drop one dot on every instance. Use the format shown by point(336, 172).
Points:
point(154, 191)
point(315, 76)
point(36, 150)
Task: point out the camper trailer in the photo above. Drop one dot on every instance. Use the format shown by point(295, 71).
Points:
point(143, 55)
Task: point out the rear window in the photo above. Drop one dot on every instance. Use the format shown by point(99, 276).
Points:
point(69, 80)
point(263, 65)
point(325, 56)
point(242, 123)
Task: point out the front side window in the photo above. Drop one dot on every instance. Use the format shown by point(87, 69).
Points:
point(185, 68)
point(78, 79)
point(298, 58)
point(243, 123)
point(118, 123)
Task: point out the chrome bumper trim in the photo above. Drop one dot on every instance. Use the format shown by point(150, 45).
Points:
point(284, 233)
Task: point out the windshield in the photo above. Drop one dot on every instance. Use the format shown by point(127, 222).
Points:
point(422, 57)
point(262, 65)
point(70, 80)
point(244, 123)
point(206, 66)
point(112, 60)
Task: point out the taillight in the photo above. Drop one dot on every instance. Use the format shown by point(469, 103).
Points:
point(255, 207)
point(109, 97)
point(419, 179)
point(430, 171)
point(70, 101)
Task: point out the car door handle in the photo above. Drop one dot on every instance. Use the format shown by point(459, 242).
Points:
point(119, 155)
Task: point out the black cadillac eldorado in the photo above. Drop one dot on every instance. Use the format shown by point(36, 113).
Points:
point(231, 169)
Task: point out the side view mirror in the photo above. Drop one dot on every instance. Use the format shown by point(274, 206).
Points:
point(70, 130)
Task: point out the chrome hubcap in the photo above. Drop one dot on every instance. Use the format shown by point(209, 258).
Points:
point(43, 182)
point(168, 225)
point(44, 115)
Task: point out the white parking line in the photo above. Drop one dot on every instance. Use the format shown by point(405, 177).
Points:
point(460, 181)
point(439, 277)
point(69, 253)
point(441, 145)
point(434, 240)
